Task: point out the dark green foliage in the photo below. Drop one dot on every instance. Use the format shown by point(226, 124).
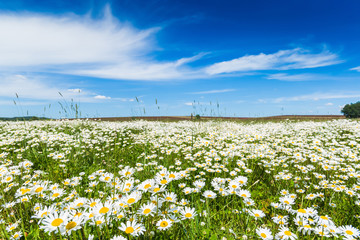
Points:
point(351, 110)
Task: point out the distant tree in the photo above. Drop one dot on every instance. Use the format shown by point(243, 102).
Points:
point(351, 110)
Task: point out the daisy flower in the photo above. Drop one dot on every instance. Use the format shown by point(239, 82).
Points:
point(243, 193)
point(98, 221)
point(349, 231)
point(73, 224)
point(147, 209)
point(16, 235)
point(285, 234)
point(12, 226)
point(322, 232)
point(264, 233)
point(56, 193)
point(133, 228)
point(164, 224)
point(257, 213)
point(103, 209)
point(209, 194)
point(132, 198)
point(324, 221)
point(188, 213)
point(170, 197)
point(53, 222)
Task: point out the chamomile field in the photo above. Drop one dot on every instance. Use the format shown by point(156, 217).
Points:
point(181, 180)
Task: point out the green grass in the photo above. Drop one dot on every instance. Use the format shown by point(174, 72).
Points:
point(315, 157)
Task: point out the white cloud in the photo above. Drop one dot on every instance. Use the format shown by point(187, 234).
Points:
point(75, 90)
point(125, 99)
point(71, 44)
point(319, 96)
point(108, 48)
point(308, 77)
point(214, 91)
point(356, 69)
point(329, 104)
point(37, 88)
point(294, 77)
point(282, 60)
point(133, 69)
point(101, 97)
point(31, 40)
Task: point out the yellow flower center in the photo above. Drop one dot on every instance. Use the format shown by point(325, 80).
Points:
point(103, 210)
point(287, 233)
point(56, 195)
point(324, 217)
point(131, 200)
point(169, 198)
point(164, 181)
point(164, 224)
point(146, 211)
point(39, 189)
point(79, 204)
point(172, 176)
point(147, 186)
point(71, 225)
point(57, 222)
point(98, 222)
point(188, 215)
point(263, 235)
point(129, 230)
point(156, 189)
point(349, 232)
point(302, 211)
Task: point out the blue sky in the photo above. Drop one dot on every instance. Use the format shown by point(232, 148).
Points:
point(146, 58)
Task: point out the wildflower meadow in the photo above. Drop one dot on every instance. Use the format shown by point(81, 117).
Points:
point(85, 179)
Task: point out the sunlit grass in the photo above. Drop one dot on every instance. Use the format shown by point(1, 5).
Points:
point(183, 180)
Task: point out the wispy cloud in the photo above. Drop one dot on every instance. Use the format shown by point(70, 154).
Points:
point(214, 91)
point(79, 45)
point(318, 96)
point(140, 69)
point(32, 40)
point(356, 69)
point(37, 88)
point(308, 77)
point(282, 60)
point(294, 77)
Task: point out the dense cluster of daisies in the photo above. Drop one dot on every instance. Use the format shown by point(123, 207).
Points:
point(184, 180)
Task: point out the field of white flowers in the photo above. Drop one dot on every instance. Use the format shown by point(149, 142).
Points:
point(183, 180)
